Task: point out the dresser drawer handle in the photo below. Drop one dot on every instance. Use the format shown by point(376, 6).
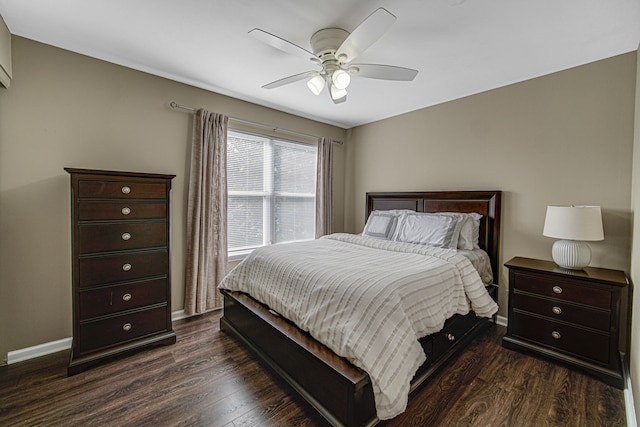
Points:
point(126, 297)
point(557, 289)
point(126, 267)
point(126, 211)
point(126, 236)
point(126, 190)
point(556, 310)
point(556, 335)
point(451, 337)
point(126, 327)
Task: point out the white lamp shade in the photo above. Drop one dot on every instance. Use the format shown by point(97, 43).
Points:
point(341, 79)
point(337, 93)
point(316, 84)
point(574, 223)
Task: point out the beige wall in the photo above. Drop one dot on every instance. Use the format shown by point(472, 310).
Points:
point(565, 138)
point(65, 109)
point(635, 248)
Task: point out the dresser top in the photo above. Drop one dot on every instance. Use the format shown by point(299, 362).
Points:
point(117, 173)
point(595, 274)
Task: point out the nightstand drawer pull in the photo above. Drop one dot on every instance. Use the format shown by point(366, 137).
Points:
point(451, 337)
point(126, 211)
point(556, 335)
point(126, 327)
point(126, 297)
point(556, 310)
point(126, 267)
point(126, 236)
point(126, 190)
point(557, 289)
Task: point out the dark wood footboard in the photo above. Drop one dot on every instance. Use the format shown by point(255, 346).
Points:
point(339, 391)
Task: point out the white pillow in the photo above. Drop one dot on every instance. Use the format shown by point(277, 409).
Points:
point(382, 223)
point(475, 219)
point(465, 241)
point(429, 229)
point(469, 231)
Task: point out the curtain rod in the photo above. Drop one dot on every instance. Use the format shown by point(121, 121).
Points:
point(175, 105)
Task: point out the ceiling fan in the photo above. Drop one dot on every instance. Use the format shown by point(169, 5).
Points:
point(333, 50)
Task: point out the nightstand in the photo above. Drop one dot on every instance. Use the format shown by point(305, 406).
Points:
point(578, 317)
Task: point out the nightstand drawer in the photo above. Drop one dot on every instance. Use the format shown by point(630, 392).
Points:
point(113, 299)
point(89, 189)
point(120, 329)
point(562, 289)
point(577, 341)
point(556, 309)
point(95, 238)
point(100, 211)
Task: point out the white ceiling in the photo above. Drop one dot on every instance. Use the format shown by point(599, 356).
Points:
point(460, 47)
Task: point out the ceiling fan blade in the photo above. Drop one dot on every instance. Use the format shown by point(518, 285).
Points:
point(283, 45)
point(383, 72)
point(291, 79)
point(365, 34)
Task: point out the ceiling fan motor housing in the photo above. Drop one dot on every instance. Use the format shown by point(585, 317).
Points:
point(325, 43)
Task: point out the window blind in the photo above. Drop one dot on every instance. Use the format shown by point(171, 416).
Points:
point(271, 191)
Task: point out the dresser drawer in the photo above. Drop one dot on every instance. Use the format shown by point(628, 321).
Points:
point(94, 238)
point(113, 299)
point(562, 290)
point(100, 211)
point(89, 189)
point(120, 268)
point(559, 310)
point(120, 329)
point(580, 342)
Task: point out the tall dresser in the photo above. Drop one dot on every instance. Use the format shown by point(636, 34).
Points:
point(120, 263)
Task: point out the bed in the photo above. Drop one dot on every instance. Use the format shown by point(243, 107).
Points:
point(340, 391)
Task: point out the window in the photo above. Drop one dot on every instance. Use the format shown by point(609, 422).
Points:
point(271, 191)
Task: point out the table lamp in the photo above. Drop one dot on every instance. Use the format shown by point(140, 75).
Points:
point(573, 225)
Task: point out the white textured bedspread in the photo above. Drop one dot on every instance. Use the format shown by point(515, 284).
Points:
point(368, 300)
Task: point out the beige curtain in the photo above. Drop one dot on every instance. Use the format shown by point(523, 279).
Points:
point(206, 213)
point(324, 187)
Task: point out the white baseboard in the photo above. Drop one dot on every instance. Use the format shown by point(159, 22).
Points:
point(501, 320)
point(629, 405)
point(38, 350)
point(60, 345)
point(177, 315)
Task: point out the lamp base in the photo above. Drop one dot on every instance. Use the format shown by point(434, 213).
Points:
point(571, 254)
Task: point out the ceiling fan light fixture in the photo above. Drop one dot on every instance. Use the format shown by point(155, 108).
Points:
point(337, 93)
point(340, 79)
point(316, 84)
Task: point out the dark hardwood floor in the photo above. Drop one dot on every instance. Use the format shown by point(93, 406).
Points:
point(209, 379)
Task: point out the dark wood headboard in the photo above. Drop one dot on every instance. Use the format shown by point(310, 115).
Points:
point(487, 203)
